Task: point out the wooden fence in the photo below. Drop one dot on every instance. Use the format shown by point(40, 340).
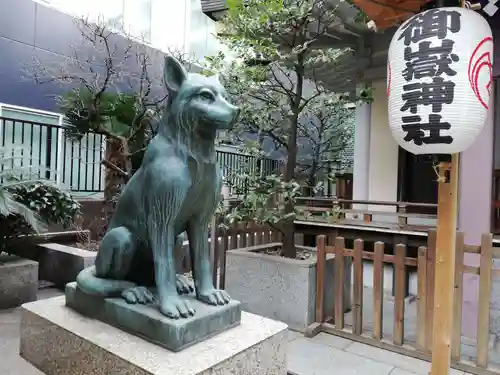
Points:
point(386, 214)
point(240, 235)
point(419, 346)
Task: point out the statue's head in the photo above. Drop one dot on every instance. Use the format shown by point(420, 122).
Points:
point(198, 101)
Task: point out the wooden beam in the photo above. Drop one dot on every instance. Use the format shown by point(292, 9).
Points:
point(445, 266)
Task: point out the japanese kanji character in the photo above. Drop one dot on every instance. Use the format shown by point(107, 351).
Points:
point(426, 133)
point(435, 93)
point(429, 61)
point(432, 23)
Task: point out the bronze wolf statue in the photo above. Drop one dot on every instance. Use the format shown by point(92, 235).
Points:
point(176, 189)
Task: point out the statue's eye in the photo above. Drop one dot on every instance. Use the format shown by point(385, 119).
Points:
point(207, 95)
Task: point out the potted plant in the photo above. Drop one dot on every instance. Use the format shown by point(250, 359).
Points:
point(18, 277)
point(28, 205)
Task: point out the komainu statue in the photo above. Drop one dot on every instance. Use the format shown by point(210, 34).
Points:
point(176, 189)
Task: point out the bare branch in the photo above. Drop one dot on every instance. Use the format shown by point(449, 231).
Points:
point(115, 168)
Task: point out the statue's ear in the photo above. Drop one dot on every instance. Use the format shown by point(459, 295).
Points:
point(174, 74)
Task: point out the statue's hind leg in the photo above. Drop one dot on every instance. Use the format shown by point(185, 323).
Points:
point(113, 261)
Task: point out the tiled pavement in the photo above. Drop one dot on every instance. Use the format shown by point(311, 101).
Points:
point(322, 355)
point(325, 353)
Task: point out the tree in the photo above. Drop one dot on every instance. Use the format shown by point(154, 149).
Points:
point(276, 45)
point(114, 87)
point(324, 133)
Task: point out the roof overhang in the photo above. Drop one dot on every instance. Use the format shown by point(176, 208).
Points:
point(214, 9)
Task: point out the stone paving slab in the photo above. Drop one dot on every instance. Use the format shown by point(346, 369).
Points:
point(308, 357)
point(315, 356)
point(413, 365)
point(332, 341)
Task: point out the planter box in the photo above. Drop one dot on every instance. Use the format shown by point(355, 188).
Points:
point(59, 264)
point(281, 288)
point(18, 281)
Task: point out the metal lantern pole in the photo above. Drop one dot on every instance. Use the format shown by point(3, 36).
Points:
point(445, 266)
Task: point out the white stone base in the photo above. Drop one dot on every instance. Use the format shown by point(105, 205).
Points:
point(57, 340)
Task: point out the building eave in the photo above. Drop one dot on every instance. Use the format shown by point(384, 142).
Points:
point(214, 9)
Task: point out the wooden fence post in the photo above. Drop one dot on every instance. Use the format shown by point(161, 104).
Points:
point(399, 294)
point(422, 298)
point(483, 315)
point(357, 304)
point(456, 338)
point(431, 262)
point(339, 282)
point(320, 277)
point(378, 290)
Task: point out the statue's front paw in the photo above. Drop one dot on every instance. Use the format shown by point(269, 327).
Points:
point(214, 297)
point(184, 285)
point(176, 308)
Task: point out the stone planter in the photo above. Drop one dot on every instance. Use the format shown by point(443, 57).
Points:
point(59, 264)
point(18, 281)
point(281, 288)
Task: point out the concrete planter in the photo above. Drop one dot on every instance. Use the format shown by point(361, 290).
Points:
point(18, 281)
point(59, 264)
point(280, 288)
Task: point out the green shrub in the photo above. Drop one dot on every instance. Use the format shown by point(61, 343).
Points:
point(53, 205)
point(28, 203)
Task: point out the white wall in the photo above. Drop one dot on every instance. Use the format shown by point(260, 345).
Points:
point(168, 25)
point(383, 170)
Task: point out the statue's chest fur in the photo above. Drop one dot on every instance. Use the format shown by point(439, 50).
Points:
point(167, 179)
point(204, 190)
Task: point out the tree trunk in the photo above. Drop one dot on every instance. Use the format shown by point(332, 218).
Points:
point(114, 181)
point(312, 178)
point(289, 250)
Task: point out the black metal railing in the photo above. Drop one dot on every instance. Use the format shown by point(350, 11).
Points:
point(46, 150)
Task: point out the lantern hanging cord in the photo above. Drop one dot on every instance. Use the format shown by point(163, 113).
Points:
point(469, 5)
point(436, 171)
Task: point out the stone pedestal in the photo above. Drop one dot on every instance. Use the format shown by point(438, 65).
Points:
point(58, 340)
point(147, 321)
point(18, 281)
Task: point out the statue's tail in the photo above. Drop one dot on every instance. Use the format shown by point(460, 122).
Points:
point(89, 283)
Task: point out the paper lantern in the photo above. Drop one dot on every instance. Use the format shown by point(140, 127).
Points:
point(439, 80)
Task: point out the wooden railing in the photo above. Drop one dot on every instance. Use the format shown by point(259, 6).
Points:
point(240, 235)
point(341, 211)
point(419, 346)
